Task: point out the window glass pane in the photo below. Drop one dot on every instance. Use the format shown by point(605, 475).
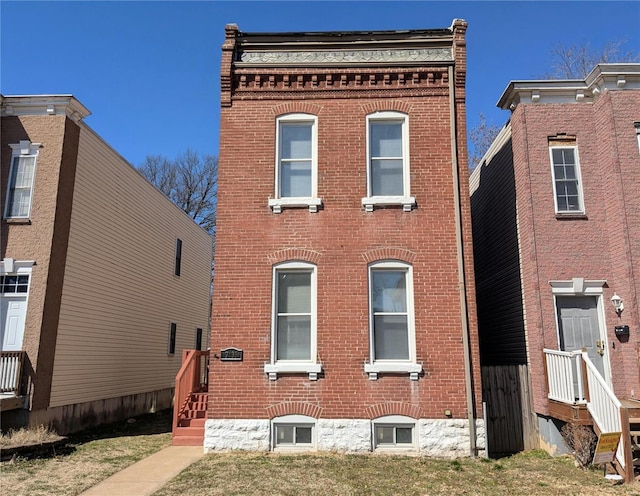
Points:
point(294, 292)
point(386, 177)
point(284, 434)
point(570, 172)
point(403, 435)
point(556, 154)
point(558, 171)
point(386, 139)
point(391, 340)
point(568, 156)
point(23, 172)
point(303, 435)
point(19, 200)
point(571, 188)
point(294, 338)
point(295, 179)
point(562, 203)
point(389, 291)
point(384, 435)
point(295, 140)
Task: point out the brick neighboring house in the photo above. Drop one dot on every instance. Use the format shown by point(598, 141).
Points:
point(556, 229)
point(344, 267)
point(103, 281)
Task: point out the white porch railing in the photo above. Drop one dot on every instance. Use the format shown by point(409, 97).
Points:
point(604, 406)
point(566, 385)
point(10, 371)
point(564, 373)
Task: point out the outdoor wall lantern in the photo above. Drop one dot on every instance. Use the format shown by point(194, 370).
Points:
point(617, 303)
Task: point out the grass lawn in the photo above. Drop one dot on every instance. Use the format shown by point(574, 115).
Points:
point(94, 455)
point(89, 457)
point(534, 473)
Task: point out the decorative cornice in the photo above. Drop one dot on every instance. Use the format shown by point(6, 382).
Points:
point(246, 80)
point(324, 58)
point(604, 77)
point(43, 105)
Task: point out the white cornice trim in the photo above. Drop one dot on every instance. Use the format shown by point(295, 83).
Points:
point(19, 105)
point(602, 77)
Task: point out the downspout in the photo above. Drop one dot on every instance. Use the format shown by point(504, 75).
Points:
point(462, 287)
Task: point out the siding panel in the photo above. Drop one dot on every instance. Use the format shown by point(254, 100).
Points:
point(120, 293)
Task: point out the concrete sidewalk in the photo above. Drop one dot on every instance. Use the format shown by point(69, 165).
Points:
point(148, 475)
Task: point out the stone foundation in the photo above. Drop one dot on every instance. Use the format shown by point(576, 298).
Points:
point(442, 438)
point(73, 418)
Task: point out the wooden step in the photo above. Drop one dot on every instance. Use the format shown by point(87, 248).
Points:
point(188, 441)
point(193, 422)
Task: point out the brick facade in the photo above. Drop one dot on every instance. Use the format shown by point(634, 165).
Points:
point(341, 239)
point(598, 244)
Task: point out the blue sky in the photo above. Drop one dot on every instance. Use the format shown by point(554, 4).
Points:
point(149, 71)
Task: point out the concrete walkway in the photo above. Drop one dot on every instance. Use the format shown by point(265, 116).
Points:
point(148, 475)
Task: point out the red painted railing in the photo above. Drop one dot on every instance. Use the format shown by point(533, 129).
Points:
point(192, 378)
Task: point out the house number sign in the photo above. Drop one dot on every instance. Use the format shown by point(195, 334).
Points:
point(231, 355)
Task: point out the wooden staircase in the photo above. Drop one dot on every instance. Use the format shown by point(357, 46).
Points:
point(190, 428)
point(191, 399)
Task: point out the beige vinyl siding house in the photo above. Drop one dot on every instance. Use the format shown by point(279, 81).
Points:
point(119, 294)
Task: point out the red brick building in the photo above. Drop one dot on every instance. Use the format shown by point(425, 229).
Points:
point(556, 225)
point(343, 259)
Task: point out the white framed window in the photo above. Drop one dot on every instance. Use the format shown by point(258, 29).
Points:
point(394, 432)
point(21, 176)
point(391, 320)
point(567, 185)
point(388, 161)
point(296, 181)
point(293, 432)
point(294, 320)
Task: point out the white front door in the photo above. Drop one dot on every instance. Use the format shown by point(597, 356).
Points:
point(13, 311)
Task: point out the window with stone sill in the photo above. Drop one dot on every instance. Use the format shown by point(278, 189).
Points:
point(21, 179)
point(394, 432)
point(567, 185)
point(294, 321)
point(293, 432)
point(296, 181)
point(388, 161)
point(391, 320)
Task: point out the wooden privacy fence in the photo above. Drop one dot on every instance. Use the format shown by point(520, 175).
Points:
point(511, 424)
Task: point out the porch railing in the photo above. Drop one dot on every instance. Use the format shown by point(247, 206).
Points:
point(192, 378)
point(564, 373)
point(574, 379)
point(11, 371)
point(604, 406)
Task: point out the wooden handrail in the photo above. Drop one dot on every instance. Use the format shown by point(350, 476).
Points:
point(191, 378)
point(11, 371)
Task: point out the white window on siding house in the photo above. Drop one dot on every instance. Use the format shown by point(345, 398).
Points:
point(21, 178)
point(391, 320)
point(394, 432)
point(388, 161)
point(293, 432)
point(567, 185)
point(296, 181)
point(293, 328)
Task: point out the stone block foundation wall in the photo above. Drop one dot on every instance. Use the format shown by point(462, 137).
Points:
point(442, 438)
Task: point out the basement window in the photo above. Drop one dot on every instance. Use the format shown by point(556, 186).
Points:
point(294, 432)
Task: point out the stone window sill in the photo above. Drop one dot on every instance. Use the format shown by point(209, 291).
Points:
point(17, 220)
point(277, 204)
point(273, 369)
point(407, 202)
point(375, 368)
point(571, 216)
